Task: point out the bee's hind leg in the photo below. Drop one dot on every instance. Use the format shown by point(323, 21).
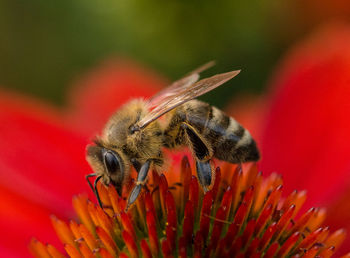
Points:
point(204, 173)
point(141, 180)
point(203, 154)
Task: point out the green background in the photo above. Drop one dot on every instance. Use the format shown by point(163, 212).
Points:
point(45, 44)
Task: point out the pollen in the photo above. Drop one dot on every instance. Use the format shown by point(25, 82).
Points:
point(243, 215)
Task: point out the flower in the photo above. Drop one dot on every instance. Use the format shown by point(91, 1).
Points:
point(302, 124)
point(315, 80)
point(43, 147)
point(242, 215)
point(307, 106)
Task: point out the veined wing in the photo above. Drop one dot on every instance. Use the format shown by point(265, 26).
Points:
point(184, 93)
point(179, 85)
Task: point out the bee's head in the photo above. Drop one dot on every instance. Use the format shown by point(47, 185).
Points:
point(108, 164)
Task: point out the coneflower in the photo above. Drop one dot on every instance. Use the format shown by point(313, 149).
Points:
point(243, 215)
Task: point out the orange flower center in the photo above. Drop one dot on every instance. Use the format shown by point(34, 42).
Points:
point(243, 215)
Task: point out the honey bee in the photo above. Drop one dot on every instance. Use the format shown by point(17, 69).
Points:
point(135, 136)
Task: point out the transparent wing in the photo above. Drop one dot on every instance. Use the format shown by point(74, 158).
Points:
point(179, 85)
point(186, 92)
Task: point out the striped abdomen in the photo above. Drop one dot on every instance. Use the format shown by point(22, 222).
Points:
point(228, 140)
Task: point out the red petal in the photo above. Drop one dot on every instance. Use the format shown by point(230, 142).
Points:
point(220, 219)
point(42, 166)
point(163, 190)
point(97, 95)
point(146, 252)
point(128, 225)
point(130, 244)
point(338, 215)
point(20, 220)
point(182, 247)
point(123, 255)
point(41, 157)
point(266, 238)
point(152, 233)
point(171, 220)
point(194, 194)
point(171, 237)
point(205, 213)
point(263, 218)
point(306, 136)
point(187, 229)
point(272, 250)
point(149, 204)
point(185, 179)
point(248, 232)
point(231, 234)
point(253, 246)
point(166, 249)
point(217, 181)
point(287, 246)
point(198, 243)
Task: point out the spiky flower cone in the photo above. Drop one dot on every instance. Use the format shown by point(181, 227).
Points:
point(243, 215)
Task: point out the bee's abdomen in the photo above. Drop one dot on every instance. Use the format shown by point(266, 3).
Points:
point(228, 139)
point(236, 145)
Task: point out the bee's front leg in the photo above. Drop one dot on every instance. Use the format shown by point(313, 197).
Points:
point(141, 180)
point(203, 155)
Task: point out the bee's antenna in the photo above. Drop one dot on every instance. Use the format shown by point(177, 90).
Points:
point(96, 192)
point(94, 187)
point(87, 179)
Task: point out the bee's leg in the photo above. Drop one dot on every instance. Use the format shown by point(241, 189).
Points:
point(202, 153)
point(141, 180)
point(204, 173)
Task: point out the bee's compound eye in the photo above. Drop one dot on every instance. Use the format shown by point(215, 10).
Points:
point(111, 162)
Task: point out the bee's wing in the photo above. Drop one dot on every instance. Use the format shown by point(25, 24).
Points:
point(184, 93)
point(179, 85)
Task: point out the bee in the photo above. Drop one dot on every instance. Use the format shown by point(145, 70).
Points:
point(135, 136)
